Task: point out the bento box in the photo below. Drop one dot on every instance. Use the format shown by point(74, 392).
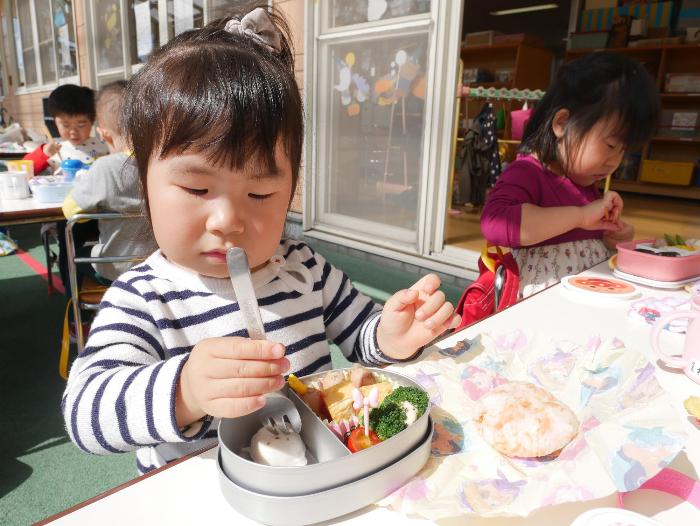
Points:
point(654, 266)
point(334, 481)
point(301, 510)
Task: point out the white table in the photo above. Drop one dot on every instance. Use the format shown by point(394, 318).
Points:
point(28, 210)
point(31, 210)
point(188, 492)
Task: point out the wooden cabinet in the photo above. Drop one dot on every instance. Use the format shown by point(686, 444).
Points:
point(531, 66)
point(666, 145)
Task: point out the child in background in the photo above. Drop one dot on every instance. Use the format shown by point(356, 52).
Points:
point(215, 120)
point(112, 185)
point(546, 205)
point(73, 110)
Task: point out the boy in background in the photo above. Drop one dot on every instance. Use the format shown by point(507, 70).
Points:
point(73, 110)
point(112, 185)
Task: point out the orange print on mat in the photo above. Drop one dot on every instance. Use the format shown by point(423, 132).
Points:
point(602, 285)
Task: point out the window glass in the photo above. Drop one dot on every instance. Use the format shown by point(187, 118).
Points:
point(108, 34)
point(47, 58)
point(64, 38)
point(376, 124)
point(184, 15)
point(343, 13)
point(143, 29)
point(24, 43)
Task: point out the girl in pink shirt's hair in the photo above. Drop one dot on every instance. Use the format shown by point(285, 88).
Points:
point(546, 205)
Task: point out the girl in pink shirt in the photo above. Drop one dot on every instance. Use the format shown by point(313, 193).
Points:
point(546, 205)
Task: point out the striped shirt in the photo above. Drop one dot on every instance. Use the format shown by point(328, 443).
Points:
point(121, 389)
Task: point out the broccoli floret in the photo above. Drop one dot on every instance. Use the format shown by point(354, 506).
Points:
point(387, 420)
point(414, 396)
point(390, 417)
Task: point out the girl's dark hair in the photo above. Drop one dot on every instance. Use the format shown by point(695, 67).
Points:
point(592, 88)
point(221, 94)
point(70, 99)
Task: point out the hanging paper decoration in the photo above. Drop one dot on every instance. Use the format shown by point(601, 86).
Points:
point(351, 85)
point(375, 9)
point(396, 84)
point(383, 88)
point(361, 87)
point(408, 70)
point(344, 79)
point(419, 87)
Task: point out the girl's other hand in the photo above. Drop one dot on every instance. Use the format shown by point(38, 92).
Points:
point(624, 232)
point(227, 377)
point(414, 317)
point(604, 213)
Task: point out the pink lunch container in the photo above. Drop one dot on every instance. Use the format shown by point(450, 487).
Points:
point(651, 266)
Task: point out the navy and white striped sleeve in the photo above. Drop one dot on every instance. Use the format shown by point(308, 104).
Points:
point(351, 318)
point(120, 394)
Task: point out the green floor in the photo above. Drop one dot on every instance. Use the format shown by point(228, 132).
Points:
point(41, 471)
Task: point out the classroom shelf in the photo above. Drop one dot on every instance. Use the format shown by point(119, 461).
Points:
point(660, 138)
point(668, 190)
point(497, 85)
point(659, 61)
point(689, 97)
point(636, 50)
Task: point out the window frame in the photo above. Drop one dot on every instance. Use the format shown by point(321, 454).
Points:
point(429, 249)
point(126, 70)
point(41, 84)
point(4, 62)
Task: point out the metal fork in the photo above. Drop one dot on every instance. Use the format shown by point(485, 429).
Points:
point(279, 414)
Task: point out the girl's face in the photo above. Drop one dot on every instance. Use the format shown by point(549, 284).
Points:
point(598, 154)
point(199, 210)
point(73, 128)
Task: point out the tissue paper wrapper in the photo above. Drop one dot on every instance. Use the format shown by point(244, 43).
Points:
point(628, 430)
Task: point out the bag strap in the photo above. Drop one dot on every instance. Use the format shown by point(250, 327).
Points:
point(672, 482)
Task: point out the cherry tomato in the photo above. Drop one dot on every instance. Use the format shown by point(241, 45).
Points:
point(357, 440)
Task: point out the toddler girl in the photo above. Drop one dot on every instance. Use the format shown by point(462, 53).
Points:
point(546, 205)
point(215, 121)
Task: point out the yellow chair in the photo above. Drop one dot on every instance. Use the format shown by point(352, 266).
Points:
point(89, 294)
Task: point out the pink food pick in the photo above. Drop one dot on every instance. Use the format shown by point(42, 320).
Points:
point(359, 401)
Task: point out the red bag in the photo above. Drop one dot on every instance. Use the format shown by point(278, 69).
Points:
point(479, 300)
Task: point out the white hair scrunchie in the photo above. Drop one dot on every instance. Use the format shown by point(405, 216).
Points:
point(257, 25)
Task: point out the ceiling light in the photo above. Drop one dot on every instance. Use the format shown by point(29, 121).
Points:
point(528, 9)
